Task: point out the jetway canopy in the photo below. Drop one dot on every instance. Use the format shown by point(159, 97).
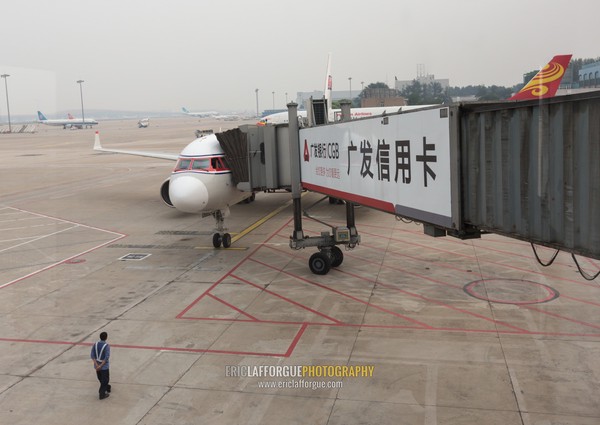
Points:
point(529, 170)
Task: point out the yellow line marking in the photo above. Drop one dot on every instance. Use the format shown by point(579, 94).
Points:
point(253, 226)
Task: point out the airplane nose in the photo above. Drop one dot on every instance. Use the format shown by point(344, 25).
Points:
point(188, 194)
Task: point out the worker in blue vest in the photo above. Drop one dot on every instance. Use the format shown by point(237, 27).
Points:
point(100, 356)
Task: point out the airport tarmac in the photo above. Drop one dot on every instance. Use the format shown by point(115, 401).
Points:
point(436, 330)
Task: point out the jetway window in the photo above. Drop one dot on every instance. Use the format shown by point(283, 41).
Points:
point(218, 163)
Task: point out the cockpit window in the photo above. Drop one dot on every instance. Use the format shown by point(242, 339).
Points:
point(216, 163)
point(183, 164)
point(201, 164)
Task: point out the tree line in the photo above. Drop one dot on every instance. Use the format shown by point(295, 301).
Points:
point(417, 93)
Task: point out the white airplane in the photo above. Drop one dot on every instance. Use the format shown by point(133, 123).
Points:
point(335, 114)
point(203, 114)
point(201, 182)
point(144, 122)
point(70, 122)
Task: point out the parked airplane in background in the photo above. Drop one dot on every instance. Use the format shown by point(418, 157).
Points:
point(144, 122)
point(204, 114)
point(546, 82)
point(543, 85)
point(200, 183)
point(335, 114)
point(70, 122)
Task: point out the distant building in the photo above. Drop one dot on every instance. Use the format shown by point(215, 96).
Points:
point(301, 97)
point(381, 96)
point(423, 79)
point(589, 75)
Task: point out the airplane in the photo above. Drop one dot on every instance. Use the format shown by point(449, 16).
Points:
point(335, 114)
point(203, 114)
point(545, 83)
point(144, 122)
point(70, 122)
point(201, 182)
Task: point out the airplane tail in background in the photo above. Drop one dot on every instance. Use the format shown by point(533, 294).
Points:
point(41, 116)
point(328, 84)
point(545, 83)
point(69, 116)
point(185, 111)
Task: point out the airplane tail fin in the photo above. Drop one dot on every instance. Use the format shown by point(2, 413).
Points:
point(41, 116)
point(97, 145)
point(185, 111)
point(69, 116)
point(545, 83)
point(328, 83)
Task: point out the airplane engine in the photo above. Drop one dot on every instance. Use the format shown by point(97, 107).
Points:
point(164, 193)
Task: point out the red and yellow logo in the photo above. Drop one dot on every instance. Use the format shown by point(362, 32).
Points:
point(545, 83)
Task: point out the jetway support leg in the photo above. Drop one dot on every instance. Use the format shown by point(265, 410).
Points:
point(298, 232)
point(329, 254)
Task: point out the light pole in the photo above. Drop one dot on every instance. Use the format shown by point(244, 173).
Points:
point(350, 81)
point(5, 76)
point(273, 100)
point(81, 94)
point(286, 102)
point(256, 91)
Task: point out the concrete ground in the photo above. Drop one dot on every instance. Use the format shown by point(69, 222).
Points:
point(454, 332)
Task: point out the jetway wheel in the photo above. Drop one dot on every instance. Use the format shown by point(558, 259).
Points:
point(319, 263)
point(337, 256)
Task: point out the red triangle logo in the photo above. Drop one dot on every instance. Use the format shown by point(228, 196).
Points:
point(306, 155)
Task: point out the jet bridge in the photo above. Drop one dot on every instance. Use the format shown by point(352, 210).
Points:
point(528, 170)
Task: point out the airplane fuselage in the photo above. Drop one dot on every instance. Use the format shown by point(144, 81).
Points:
point(70, 123)
point(202, 181)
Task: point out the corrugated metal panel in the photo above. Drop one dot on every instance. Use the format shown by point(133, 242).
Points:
point(531, 170)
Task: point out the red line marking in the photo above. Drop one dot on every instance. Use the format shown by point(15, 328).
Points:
point(579, 300)
point(295, 340)
point(233, 307)
point(146, 347)
point(205, 293)
point(269, 322)
point(425, 298)
point(424, 325)
point(239, 264)
point(479, 316)
point(561, 317)
point(454, 253)
point(470, 289)
point(286, 299)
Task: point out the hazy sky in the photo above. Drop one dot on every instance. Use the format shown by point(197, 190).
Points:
point(158, 55)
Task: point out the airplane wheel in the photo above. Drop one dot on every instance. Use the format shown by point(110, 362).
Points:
point(250, 198)
point(337, 256)
point(226, 240)
point(217, 240)
point(319, 263)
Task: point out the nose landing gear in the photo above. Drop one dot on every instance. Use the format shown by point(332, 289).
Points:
point(221, 237)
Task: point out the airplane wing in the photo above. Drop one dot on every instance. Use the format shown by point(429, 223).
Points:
point(167, 156)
